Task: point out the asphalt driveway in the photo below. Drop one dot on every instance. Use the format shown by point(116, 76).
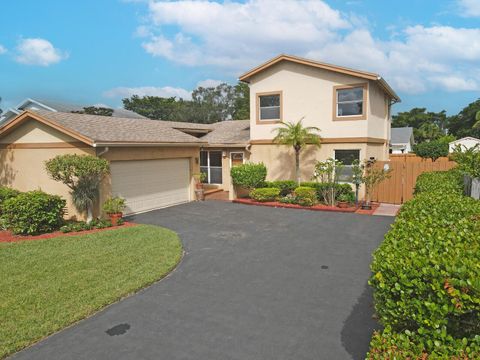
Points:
point(255, 283)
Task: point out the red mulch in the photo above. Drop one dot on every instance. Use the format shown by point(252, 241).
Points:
point(318, 207)
point(7, 236)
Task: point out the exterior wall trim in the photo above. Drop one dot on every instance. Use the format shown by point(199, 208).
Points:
point(346, 140)
point(364, 106)
point(257, 108)
point(53, 145)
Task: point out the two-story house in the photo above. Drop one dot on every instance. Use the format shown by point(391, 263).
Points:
point(350, 107)
point(153, 163)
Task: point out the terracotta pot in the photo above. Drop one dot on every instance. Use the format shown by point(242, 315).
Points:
point(342, 204)
point(200, 194)
point(115, 217)
point(199, 185)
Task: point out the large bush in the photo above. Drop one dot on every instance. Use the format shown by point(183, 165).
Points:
point(33, 212)
point(432, 149)
point(305, 196)
point(7, 193)
point(265, 194)
point(249, 175)
point(426, 277)
point(320, 189)
point(445, 182)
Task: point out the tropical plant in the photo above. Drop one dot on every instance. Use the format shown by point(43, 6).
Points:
point(328, 172)
point(249, 175)
point(371, 177)
point(114, 205)
point(297, 136)
point(468, 160)
point(82, 174)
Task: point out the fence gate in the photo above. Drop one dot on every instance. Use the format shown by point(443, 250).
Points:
point(399, 187)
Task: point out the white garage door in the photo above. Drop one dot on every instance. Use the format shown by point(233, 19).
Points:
point(151, 184)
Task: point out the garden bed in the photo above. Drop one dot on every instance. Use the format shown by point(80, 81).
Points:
point(318, 207)
point(8, 236)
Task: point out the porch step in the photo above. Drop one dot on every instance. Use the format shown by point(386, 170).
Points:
point(212, 191)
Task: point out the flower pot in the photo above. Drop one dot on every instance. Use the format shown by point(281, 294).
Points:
point(198, 185)
point(366, 206)
point(200, 194)
point(115, 217)
point(342, 204)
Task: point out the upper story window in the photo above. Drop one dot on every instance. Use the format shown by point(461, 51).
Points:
point(269, 107)
point(350, 102)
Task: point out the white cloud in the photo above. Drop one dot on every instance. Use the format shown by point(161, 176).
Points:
point(3, 49)
point(207, 83)
point(38, 52)
point(470, 8)
point(233, 37)
point(167, 91)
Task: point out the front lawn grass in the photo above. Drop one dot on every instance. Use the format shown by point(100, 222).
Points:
point(46, 285)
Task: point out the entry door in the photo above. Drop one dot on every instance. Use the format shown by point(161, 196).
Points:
point(211, 164)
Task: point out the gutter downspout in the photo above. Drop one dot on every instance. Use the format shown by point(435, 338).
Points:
point(104, 151)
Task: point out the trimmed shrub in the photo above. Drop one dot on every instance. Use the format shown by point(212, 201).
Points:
point(7, 193)
point(249, 175)
point(319, 187)
point(286, 186)
point(265, 194)
point(33, 212)
point(445, 182)
point(426, 277)
point(305, 196)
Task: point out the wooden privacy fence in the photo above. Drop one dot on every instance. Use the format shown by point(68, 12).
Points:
point(414, 158)
point(399, 187)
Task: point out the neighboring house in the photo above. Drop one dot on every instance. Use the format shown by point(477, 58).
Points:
point(402, 140)
point(351, 108)
point(47, 105)
point(465, 143)
point(153, 161)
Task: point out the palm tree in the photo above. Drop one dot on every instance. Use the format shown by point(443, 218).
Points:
point(297, 136)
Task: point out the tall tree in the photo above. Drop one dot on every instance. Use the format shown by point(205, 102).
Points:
point(464, 123)
point(210, 104)
point(95, 110)
point(297, 136)
point(427, 125)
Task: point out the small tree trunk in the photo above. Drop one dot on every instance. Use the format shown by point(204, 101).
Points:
point(297, 165)
point(89, 212)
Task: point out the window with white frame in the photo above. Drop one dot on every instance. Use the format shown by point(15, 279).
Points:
point(211, 165)
point(350, 101)
point(269, 107)
point(347, 157)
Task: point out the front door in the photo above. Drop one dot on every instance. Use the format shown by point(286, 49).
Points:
point(236, 158)
point(211, 165)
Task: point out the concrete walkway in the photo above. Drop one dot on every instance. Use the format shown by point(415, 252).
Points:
point(387, 210)
point(256, 283)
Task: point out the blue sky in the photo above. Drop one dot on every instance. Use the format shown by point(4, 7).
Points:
point(96, 52)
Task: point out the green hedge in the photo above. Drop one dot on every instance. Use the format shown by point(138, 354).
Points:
point(305, 196)
point(7, 193)
point(33, 212)
point(249, 175)
point(446, 182)
point(265, 194)
point(286, 186)
point(426, 276)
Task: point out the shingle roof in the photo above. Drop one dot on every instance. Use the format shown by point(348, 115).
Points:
point(109, 129)
point(229, 132)
point(401, 135)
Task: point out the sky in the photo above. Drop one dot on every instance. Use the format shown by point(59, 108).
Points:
point(100, 51)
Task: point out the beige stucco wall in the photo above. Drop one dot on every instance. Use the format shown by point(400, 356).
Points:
point(308, 92)
point(33, 131)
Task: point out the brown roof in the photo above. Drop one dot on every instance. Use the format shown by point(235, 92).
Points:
point(229, 132)
point(106, 130)
point(340, 69)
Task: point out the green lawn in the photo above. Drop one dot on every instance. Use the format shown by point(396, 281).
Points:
point(45, 285)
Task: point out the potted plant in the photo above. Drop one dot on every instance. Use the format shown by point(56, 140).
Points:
point(114, 207)
point(372, 176)
point(199, 180)
point(344, 200)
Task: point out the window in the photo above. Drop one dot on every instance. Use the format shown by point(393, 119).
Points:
point(269, 107)
point(211, 164)
point(347, 157)
point(236, 158)
point(349, 102)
